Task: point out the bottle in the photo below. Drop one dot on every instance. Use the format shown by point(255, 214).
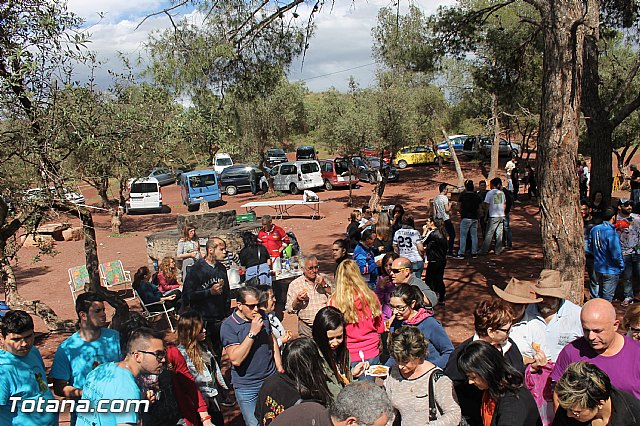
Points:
point(287, 265)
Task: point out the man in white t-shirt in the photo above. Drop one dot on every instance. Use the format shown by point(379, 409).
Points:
point(441, 209)
point(496, 203)
point(407, 242)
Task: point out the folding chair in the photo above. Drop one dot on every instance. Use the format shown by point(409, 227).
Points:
point(148, 313)
point(112, 274)
point(78, 278)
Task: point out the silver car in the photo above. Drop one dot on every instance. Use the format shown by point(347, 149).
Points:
point(294, 176)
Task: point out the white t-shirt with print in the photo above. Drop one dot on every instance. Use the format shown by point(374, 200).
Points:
point(497, 202)
point(406, 239)
point(440, 204)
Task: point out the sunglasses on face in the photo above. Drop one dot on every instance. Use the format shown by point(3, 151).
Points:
point(251, 306)
point(160, 355)
point(398, 270)
point(400, 309)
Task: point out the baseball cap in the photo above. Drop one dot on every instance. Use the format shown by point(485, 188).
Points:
point(624, 201)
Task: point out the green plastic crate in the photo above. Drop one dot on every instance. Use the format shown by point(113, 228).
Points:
point(246, 217)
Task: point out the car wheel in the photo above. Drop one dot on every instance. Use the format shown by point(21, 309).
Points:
point(514, 153)
point(402, 164)
point(327, 185)
point(294, 189)
point(231, 190)
point(265, 187)
point(191, 207)
point(439, 161)
point(371, 178)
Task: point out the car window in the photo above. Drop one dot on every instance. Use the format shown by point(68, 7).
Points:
point(202, 181)
point(309, 168)
point(420, 149)
point(374, 163)
point(326, 166)
point(405, 150)
point(503, 142)
point(341, 167)
point(139, 187)
point(288, 169)
point(358, 162)
point(224, 162)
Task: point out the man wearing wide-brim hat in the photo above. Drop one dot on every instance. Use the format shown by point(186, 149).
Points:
point(551, 323)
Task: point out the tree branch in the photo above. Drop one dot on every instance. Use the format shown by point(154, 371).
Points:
point(627, 82)
point(168, 9)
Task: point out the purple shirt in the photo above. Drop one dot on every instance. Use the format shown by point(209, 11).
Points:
point(622, 368)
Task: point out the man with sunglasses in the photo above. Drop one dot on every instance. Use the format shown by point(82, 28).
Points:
point(117, 380)
point(252, 349)
point(308, 294)
point(402, 273)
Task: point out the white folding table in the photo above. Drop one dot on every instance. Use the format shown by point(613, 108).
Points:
point(282, 207)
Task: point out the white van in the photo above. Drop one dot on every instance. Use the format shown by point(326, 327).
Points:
point(221, 162)
point(295, 176)
point(144, 195)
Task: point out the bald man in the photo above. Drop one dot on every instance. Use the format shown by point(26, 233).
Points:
point(402, 273)
point(603, 346)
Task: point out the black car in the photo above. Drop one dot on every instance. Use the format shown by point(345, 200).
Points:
point(306, 152)
point(235, 178)
point(369, 172)
point(274, 157)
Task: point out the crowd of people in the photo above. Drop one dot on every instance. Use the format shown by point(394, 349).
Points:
point(368, 348)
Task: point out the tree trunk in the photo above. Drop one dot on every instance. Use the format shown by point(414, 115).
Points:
point(495, 148)
point(560, 222)
point(33, 307)
point(103, 192)
point(455, 159)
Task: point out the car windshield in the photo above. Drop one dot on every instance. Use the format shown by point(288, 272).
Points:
point(202, 181)
point(309, 168)
point(224, 161)
point(276, 153)
point(139, 187)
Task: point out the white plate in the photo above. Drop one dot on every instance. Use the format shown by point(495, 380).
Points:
point(385, 374)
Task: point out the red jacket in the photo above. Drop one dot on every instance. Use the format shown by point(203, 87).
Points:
point(273, 240)
point(189, 398)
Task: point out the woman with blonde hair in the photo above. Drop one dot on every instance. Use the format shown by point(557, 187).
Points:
point(188, 249)
point(201, 362)
point(168, 275)
point(362, 313)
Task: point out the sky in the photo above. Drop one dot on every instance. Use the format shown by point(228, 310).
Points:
point(340, 48)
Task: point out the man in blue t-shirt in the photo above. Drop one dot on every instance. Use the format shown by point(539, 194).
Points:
point(252, 350)
point(117, 381)
point(91, 346)
point(23, 375)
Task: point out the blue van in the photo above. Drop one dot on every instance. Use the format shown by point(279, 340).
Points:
point(198, 186)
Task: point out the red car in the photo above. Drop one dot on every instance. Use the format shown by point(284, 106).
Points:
point(335, 173)
point(370, 151)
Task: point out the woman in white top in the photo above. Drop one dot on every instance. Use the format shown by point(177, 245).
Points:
point(188, 249)
point(411, 380)
point(407, 242)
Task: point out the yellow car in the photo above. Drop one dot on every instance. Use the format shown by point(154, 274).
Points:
point(420, 154)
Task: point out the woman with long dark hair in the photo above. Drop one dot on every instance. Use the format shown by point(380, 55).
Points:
point(304, 379)
point(505, 399)
point(328, 333)
point(385, 285)
point(340, 251)
point(384, 236)
point(255, 259)
point(397, 215)
point(150, 294)
point(407, 304)
point(597, 204)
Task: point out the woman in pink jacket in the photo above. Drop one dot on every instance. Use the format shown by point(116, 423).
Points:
point(362, 313)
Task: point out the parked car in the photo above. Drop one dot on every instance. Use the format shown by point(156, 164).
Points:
point(420, 154)
point(144, 195)
point(275, 156)
point(370, 172)
point(335, 173)
point(480, 146)
point(198, 186)
point(306, 152)
point(236, 179)
point(164, 175)
point(456, 140)
point(371, 151)
point(221, 162)
point(35, 193)
point(294, 176)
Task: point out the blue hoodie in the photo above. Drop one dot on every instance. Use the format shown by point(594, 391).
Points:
point(607, 251)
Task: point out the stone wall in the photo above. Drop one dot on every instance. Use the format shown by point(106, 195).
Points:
point(207, 222)
point(165, 243)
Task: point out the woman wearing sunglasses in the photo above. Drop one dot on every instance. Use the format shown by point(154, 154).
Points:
point(408, 309)
point(631, 322)
point(201, 362)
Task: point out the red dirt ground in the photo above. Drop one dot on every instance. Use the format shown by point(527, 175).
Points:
point(467, 280)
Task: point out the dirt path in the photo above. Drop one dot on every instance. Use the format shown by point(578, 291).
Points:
point(467, 280)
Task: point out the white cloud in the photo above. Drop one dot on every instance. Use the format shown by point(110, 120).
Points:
point(342, 38)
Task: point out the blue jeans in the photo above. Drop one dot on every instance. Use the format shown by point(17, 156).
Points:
point(247, 397)
point(631, 269)
point(605, 287)
point(508, 238)
point(417, 267)
point(494, 226)
point(372, 361)
point(467, 225)
point(635, 196)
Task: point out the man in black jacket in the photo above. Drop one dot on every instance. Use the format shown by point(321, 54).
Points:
point(206, 290)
